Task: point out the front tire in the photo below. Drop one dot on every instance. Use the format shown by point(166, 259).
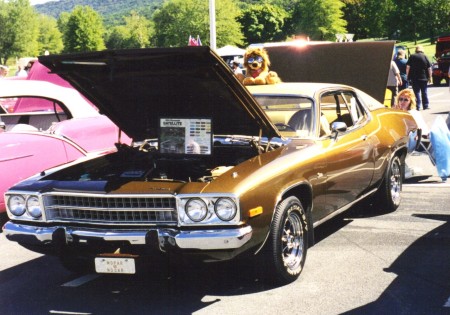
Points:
point(391, 187)
point(288, 242)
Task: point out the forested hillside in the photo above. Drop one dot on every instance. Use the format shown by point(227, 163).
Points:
point(111, 10)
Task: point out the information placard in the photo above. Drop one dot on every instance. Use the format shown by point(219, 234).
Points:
point(185, 136)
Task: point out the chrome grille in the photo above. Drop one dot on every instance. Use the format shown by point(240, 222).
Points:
point(133, 209)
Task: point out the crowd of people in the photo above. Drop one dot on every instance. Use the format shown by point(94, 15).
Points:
point(416, 70)
point(22, 71)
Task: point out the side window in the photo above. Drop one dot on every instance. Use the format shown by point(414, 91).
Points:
point(356, 111)
point(342, 106)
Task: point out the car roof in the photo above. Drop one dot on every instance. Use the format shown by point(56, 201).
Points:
point(294, 88)
point(71, 98)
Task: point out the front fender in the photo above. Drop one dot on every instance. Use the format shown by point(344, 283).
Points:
point(25, 154)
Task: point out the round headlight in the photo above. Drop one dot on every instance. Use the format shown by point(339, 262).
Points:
point(196, 209)
point(16, 205)
point(225, 209)
point(34, 207)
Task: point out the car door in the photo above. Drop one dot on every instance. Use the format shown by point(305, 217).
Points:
point(350, 162)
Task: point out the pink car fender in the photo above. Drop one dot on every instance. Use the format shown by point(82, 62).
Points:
point(25, 154)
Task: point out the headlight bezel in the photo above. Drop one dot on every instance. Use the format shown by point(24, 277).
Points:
point(33, 208)
point(213, 215)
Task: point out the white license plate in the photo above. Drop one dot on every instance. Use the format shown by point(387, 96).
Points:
point(115, 265)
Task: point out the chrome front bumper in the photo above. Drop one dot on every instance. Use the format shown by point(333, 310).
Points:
point(218, 239)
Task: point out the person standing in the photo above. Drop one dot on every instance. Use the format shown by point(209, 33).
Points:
point(418, 70)
point(401, 61)
point(3, 71)
point(394, 80)
point(236, 68)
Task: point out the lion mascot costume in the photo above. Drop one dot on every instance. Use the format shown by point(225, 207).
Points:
point(256, 63)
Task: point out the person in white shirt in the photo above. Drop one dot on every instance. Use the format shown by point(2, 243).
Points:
point(236, 68)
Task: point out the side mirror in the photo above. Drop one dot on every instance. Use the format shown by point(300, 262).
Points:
point(337, 127)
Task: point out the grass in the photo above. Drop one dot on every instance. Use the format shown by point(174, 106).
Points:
point(429, 49)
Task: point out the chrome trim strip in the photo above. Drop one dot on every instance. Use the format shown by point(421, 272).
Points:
point(210, 239)
point(203, 240)
point(339, 211)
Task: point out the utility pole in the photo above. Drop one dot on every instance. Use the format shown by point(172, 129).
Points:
point(212, 24)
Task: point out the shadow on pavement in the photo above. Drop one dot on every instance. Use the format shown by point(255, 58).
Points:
point(423, 274)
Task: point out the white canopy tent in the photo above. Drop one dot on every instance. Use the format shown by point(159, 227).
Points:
point(230, 51)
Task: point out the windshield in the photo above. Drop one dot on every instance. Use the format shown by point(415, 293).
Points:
point(289, 113)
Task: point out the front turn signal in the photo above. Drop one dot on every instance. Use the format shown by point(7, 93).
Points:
point(255, 211)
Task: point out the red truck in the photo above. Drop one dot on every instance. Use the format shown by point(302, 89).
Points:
point(442, 60)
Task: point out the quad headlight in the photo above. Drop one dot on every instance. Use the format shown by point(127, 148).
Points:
point(225, 209)
point(26, 206)
point(16, 205)
point(209, 209)
point(196, 209)
point(34, 207)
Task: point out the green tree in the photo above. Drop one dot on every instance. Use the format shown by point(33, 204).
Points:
point(263, 23)
point(177, 19)
point(18, 29)
point(369, 18)
point(135, 33)
point(319, 19)
point(420, 18)
point(50, 38)
point(438, 18)
point(83, 30)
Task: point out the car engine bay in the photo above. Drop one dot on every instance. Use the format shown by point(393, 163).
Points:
point(144, 162)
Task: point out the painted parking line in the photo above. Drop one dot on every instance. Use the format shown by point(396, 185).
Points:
point(81, 280)
point(429, 185)
point(67, 313)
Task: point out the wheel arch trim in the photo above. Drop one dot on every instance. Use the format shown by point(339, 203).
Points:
point(298, 190)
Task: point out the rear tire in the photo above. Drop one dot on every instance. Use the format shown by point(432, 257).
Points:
point(285, 251)
point(391, 187)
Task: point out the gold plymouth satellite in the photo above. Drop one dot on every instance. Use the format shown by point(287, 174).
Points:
point(216, 171)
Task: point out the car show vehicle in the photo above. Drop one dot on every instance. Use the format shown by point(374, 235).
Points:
point(217, 170)
point(440, 68)
point(46, 125)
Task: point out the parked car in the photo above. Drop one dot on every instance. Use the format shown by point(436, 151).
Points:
point(440, 69)
point(220, 171)
point(441, 64)
point(46, 125)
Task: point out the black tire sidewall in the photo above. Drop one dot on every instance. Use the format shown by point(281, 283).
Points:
point(281, 272)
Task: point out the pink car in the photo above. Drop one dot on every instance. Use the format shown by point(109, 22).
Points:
point(45, 125)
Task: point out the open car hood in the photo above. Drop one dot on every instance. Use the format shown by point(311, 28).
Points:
point(136, 88)
point(364, 65)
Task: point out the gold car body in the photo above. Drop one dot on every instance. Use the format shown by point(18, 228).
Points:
point(225, 202)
